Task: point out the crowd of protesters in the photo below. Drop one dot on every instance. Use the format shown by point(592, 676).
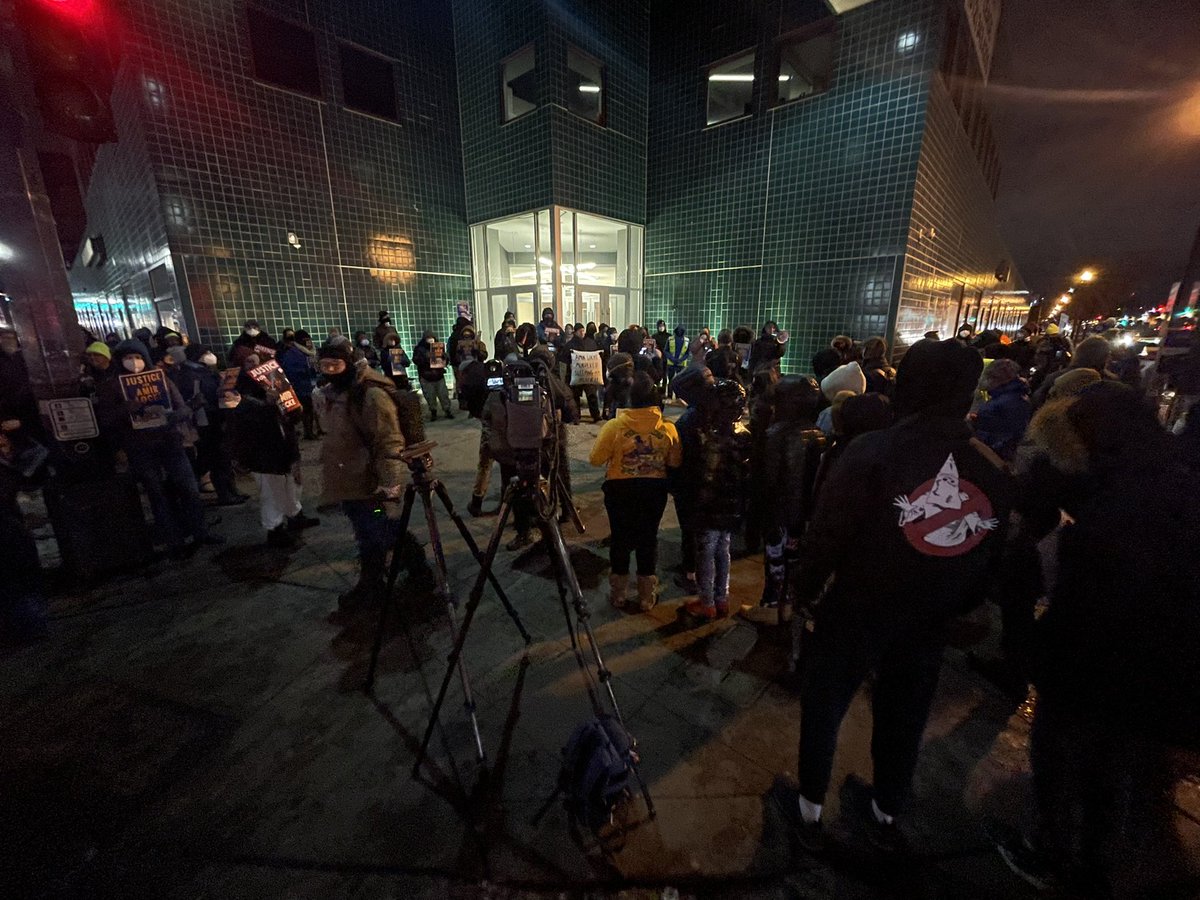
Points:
point(887, 501)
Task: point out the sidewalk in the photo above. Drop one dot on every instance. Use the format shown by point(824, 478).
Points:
point(200, 730)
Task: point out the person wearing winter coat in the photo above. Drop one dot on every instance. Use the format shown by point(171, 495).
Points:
point(847, 377)
point(1113, 657)
point(395, 362)
point(881, 377)
point(581, 342)
point(791, 456)
point(620, 379)
point(432, 377)
point(549, 332)
point(265, 442)
point(212, 450)
point(693, 387)
point(723, 475)
point(156, 456)
point(1023, 349)
point(297, 358)
point(637, 450)
point(367, 424)
point(1001, 421)
point(1052, 354)
point(383, 329)
point(505, 342)
point(851, 415)
point(1092, 353)
point(928, 508)
point(767, 350)
point(252, 340)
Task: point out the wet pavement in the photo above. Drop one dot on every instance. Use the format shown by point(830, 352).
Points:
point(200, 729)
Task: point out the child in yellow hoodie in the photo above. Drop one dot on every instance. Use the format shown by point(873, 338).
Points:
point(637, 448)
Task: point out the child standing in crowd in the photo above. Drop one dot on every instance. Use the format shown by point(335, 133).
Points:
point(637, 449)
point(724, 473)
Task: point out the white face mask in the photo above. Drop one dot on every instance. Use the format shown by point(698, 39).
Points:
point(134, 364)
point(209, 359)
point(252, 332)
point(364, 343)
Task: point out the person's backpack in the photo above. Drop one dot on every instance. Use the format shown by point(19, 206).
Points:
point(408, 410)
point(597, 771)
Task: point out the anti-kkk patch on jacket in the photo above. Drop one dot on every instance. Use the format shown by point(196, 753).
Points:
point(947, 515)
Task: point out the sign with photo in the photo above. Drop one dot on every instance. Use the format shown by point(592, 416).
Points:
point(271, 376)
point(227, 393)
point(437, 355)
point(148, 398)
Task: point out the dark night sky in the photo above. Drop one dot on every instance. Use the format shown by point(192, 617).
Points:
point(1096, 109)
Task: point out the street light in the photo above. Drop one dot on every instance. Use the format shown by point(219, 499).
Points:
point(1086, 276)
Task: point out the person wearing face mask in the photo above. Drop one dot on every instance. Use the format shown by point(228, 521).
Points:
point(264, 440)
point(505, 342)
point(199, 381)
point(364, 350)
point(432, 377)
point(156, 456)
point(367, 424)
point(549, 331)
point(252, 340)
point(97, 365)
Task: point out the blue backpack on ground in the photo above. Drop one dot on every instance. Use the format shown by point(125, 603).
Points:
point(597, 771)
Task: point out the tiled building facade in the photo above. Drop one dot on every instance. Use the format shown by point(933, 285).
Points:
point(864, 207)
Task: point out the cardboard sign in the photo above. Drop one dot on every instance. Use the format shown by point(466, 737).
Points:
point(263, 352)
point(73, 419)
point(271, 376)
point(552, 334)
point(148, 398)
point(397, 357)
point(464, 312)
point(227, 394)
point(437, 355)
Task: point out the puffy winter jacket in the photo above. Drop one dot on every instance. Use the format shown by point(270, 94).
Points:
point(723, 489)
point(792, 456)
point(1002, 420)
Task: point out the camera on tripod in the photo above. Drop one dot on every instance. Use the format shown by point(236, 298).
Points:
point(419, 457)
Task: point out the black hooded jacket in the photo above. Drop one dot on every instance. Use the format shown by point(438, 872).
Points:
point(792, 454)
point(113, 412)
point(766, 351)
point(911, 521)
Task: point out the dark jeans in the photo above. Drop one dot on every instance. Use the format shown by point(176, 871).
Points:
point(635, 508)
point(592, 400)
point(212, 457)
point(374, 533)
point(311, 426)
point(906, 661)
point(165, 472)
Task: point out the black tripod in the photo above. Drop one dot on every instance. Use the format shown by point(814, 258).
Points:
point(420, 462)
point(547, 496)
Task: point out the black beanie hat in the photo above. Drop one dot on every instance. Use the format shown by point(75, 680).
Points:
point(938, 377)
point(341, 350)
point(796, 398)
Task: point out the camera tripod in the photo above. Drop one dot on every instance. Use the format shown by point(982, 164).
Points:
point(426, 484)
point(546, 495)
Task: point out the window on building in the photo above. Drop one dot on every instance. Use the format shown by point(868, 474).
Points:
point(731, 89)
point(368, 81)
point(806, 64)
point(284, 53)
point(518, 84)
point(585, 86)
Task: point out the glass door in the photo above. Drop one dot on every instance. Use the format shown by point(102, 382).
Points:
point(593, 306)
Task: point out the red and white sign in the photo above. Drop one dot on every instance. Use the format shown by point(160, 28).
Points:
point(948, 515)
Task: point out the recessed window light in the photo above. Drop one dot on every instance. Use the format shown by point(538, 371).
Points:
point(729, 76)
point(589, 89)
point(591, 246)
point(529, 246)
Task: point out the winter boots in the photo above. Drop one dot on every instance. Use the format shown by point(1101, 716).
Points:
point(647, 589)
point(617, 586)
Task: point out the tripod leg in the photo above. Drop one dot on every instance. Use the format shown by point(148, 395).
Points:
point(468, 616)
point(443, 587)
point(474, 548)
point(393, 575)
point(558, 550)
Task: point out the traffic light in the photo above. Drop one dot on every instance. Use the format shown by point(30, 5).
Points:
point(66, 44)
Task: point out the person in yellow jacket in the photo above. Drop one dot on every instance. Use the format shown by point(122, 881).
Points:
point(637, 448)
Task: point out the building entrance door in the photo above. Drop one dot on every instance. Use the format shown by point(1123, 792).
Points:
point(519, 301)
point(601, 304)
